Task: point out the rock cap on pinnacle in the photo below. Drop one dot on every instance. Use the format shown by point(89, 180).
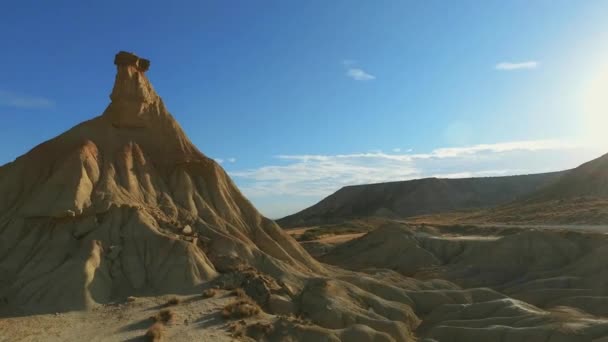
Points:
point(131, 59)
point(133, 97)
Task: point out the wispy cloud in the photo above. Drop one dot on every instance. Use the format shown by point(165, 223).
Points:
point(359, 75)
point(526, 145)
point(15, 100)
point(222, 160)
point(508, 66)
point(319, 175)
point(355, 72)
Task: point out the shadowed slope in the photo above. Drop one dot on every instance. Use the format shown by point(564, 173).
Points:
point(589, 180)
point(578, 197)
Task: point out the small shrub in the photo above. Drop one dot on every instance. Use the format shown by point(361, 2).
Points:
point(240, 309)
point(208, 293)
point(237, 328)
point(173, 301)
point(164, 316)
point(260, 330)
point(155, 333)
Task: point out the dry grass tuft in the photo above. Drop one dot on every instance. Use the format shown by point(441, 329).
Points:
point(208, 293)
point(164, 316)
point(173, 301)
point(240, 309)
point(237, 328)
point(155, 333)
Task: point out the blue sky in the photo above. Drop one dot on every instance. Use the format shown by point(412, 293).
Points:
point(299, 98)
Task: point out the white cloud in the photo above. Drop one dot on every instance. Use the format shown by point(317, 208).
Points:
point(529, 145)
point(396, 149)
point(356, 73)
point(10, 99)
point(508, 66)
point(359, 75)
point(222, 160)
point(309, 178)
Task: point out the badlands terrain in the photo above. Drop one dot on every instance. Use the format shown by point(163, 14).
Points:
point(120, 229)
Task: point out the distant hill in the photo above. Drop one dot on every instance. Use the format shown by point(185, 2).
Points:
point(418, 197)
point(588, 180)
point(579, 196)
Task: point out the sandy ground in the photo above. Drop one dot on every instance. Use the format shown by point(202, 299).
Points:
point(322, 245)
point(329, 239)
point(591, 228)
point(196, 319)
point(295, 232)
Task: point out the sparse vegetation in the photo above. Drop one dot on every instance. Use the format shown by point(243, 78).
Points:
point(352, 227)
point(155, 333)
point(259, 330)
point(164, 316)
point(237, 328)
point(173, 301)
point(241, 308)
point(208, 293)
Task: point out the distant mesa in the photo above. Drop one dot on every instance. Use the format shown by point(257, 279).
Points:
point(577, 196)
point(405, 199)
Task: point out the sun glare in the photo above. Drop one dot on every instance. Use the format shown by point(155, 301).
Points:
point(596, 109)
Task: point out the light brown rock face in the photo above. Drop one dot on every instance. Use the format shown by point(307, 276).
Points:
point(100, 211)
point(134, 101)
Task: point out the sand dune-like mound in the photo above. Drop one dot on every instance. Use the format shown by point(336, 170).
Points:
point(417, 197)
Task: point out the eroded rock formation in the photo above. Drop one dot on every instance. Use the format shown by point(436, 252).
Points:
point(100, 211)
